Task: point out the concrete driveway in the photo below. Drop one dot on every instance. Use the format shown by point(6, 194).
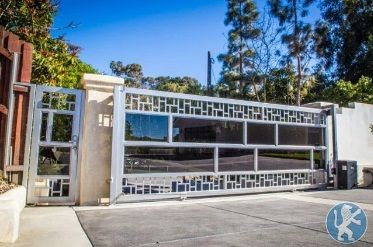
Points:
point(278, 219)
point(49, 226)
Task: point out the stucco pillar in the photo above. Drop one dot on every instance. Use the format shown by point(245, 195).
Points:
point(95, 161)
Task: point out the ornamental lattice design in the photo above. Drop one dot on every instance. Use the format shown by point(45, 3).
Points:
point(52, 187)
point(166, 184)
point(172, 105)
point(58, 101)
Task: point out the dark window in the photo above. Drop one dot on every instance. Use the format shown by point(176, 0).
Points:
point(258, 133)
point(207, 131)
point(283, 159)
point(146, 127)
point(236, 159)
point(154, 159)
point(300, 135)
point(319, 159)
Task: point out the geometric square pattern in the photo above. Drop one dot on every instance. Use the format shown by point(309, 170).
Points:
point(52, 187)
point(210, 108)
point(167, 185)
point(58, 101)
point(142, 102)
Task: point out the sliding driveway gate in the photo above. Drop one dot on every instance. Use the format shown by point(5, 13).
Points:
point(171, 145)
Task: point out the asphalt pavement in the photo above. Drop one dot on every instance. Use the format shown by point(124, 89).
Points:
point(277, 219)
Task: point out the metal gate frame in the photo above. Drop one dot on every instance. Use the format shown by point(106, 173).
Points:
point(30, 120)
point(32, 140)
point(142, 101)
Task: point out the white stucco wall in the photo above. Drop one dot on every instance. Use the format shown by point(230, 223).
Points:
point(95, 163)
point(11, 206)
point(354, 138)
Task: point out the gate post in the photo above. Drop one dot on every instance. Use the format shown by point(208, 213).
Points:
point(117, 145)
point(96, 142)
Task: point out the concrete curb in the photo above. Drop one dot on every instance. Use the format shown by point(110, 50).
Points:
point(11, 204)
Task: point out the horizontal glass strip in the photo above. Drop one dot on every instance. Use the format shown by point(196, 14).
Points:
point(207, 131)
point(165, 160)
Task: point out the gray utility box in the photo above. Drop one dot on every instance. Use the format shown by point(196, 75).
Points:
point(347, 174)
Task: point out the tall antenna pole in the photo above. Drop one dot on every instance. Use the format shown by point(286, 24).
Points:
point(209, 89)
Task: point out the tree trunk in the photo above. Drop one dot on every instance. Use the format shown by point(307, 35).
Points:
point(241, 86)
point(255, 90)
point(265, 89)
point(299, 79)
point(296, 38)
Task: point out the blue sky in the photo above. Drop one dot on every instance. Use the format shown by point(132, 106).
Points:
point(167, 37)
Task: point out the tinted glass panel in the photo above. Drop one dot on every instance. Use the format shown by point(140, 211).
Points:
point(207, 131)
point(54, 161)
point(319, 159)
point(300, 135)
point(260, 133)
point(236, 159)
point(283, 160)
point(146, 128)
point(147, 159)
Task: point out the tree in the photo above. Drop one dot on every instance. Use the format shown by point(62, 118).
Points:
point(55, 61)
point(184, 84)
point(134, 77)
point(346, 38)
point(266, 52)
point(314, 88)
point(296, 34)
point(132, 73)
point(281, 84)
point(344, 92)
point(241, 16)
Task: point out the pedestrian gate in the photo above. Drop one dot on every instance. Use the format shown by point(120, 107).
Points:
point(52, 176)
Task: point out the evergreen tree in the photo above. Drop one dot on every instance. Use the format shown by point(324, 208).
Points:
point(132, 73)
point(345, 38)
point(296, 34)
point(241, 17)
point(133, 77)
